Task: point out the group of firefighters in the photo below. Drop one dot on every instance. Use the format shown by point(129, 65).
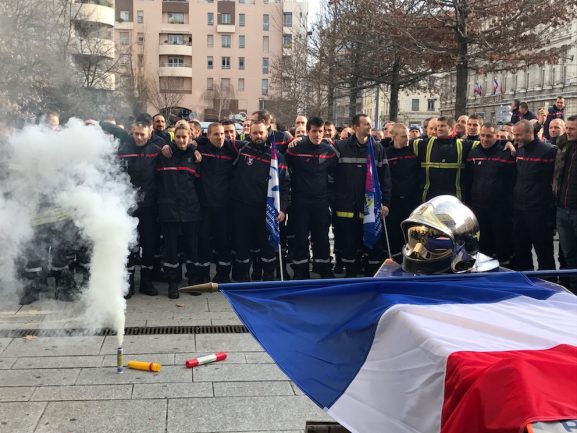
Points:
point(202, 198)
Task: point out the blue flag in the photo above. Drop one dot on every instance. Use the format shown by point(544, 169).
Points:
point(273, 200)
point(372, 224)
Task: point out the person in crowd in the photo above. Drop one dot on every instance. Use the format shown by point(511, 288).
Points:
point(310, 162)
point(533, 222)
point(565, 191)
point(138, 152)
point(404, 167)
point(461, 126)
point(431, 128)
point(557, 111)
point(345, 133)
point(300, 122)
point(218, 155)
point(229, 127)
point(329, 131)
point(245, 134)
point(300, 131)
point(473, 128)
point(524, 113)
point(492, 171)
point(414, 132)
point(249, 186)
point(179, 210)
point(159, 128)
point(556, 130)
point(515, 114)
point(350, 181)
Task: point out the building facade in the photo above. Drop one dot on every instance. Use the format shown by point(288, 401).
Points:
point(414, 106)
point(490, 95)
point(211, 58)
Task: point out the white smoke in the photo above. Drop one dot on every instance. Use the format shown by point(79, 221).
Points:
point(74, 168)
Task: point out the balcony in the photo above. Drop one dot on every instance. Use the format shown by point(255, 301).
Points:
point(92, 12)
point(225, 28)
point(94, 47)
point(124, 25)
point(175, 50)
point(175, 70)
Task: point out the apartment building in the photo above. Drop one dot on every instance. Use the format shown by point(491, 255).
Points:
point(208, 58)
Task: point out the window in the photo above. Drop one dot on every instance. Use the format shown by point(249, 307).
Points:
point(264, 87)
point(123, 59)
point(140, 38)
point(140, 17)
point(225, 84)
point(210, 18)
point(175, 61)
point(241, 63)
point(209, 83)
point(226, 19)
point(124, 38)
point(265, 22)
point(175, 18)
point(241, 20)
point(240, 85)
point(414, 105)
point(265, 65)
point(209, 62)
point(430, 105)
point(287, 40)
point(124, 16)
point(225, 41)
point(287, 19)
point(225, 63)
point(175, 39)
point(265, 44)
point(209, 41)
point(241, 41)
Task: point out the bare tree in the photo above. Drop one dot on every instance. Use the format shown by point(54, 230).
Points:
point(484, 36)
point(220, 101)
point(164, 94)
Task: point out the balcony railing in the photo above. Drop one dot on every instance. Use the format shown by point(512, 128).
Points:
point(175, 65)
point(107, 3)
point(176, 43)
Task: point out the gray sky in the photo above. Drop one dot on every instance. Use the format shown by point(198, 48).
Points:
point(314, 7)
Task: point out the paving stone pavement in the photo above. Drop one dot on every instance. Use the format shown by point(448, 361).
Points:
point(70, 384)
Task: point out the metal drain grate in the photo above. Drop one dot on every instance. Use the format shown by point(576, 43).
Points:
point(155, 330)
point(324, 427)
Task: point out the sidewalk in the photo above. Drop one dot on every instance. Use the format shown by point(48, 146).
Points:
point(70, 384)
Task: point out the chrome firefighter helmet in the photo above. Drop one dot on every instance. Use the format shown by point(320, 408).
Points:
point(441, 235)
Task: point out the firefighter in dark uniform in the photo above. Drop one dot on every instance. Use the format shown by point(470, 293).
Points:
point(404, 168)
point(534, 203)
point(350, 181)
point(281, 139)
point(249, 189)
point(442, 159)
point(310, 162)
point(138, 153)
point(492, 171)
point(50, 253)
point(179, 206)
point(218, 156)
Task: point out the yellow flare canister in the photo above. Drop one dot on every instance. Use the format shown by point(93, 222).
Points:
point(144, 366)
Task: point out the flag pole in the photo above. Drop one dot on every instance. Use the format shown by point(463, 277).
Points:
point(387, 237)
point(280, 262)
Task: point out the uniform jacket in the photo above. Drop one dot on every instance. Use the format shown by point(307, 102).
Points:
point(350, 175)
point(309, 167)
point(442, 163)
point(250, 177)
point(139, 162)
point(492, 175)
point(535, 165)
point(405, 168)
point(177, 178)
point(216, 172)
point(552, 113)
point(281, 139)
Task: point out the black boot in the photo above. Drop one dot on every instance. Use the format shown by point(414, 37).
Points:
point(173, 292)
point(30, 292)
point(66, 288)
point(146, 286)
point(130, 293)
point(222, 274)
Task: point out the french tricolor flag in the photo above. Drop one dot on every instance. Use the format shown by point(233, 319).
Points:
point(480, 354)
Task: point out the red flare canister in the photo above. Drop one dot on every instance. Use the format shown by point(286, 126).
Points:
point(201, 360)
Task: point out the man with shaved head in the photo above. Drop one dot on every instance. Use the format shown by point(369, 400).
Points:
point(534, 205)
point(461, 126)
point(556, 130)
